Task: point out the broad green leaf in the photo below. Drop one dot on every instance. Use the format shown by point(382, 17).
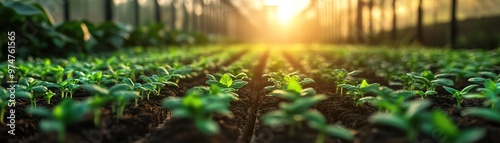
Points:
point(239, 84)
point(308, 92)
point(315, 116)
point(39, 89)
point(477, 79)
point(416, 107)
point(470, 135)
point(306, 81)
point(275, 118)
point(207, 126)
point(211, 77)
point(444, 124)
point(390, 120)
point(450, 90)
point(95, 89)
point(285, 94)
point(119, 87)
point(483, 112)
point(172, 103)
point(181, 113)
point(339, 132)
point(294, 86)
point(145, 79)
point(22, 8)
point(39, 111)
point(51, 125)
point(443, 82)
point(226, 80)
point(23, 94)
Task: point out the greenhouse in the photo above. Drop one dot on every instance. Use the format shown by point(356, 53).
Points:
point(250, 71)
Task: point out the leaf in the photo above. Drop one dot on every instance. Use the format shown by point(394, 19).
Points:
point(443, 82)
point(120, 87)
point(95, 89)
point(294, 86)
point(468, 88)
point(169, 83)
point(207, 126)
point(40, 111)
point(172, 103)
point(226, 80)
point(22, 8)
point(416, 107)
point(444, 124)
point(306, 81)
point(477, 79)
point(390, 120)
point(308, 92)
point(482, 112)
point(275, 118)
point(450, 90)
point(239, 84)
point(129, 82)
point(315, 116)
point(51, 125)
point(285, 94)
point(339, 132)
point(39, 89)
point(470, 135)
point(354, 73)
point(217, 107)
point(363, 84)
point(145, 79)
point(23, 94)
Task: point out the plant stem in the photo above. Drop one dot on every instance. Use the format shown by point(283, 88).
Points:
point(60, 135)
point(97, 116)
point(2, 114)
point(459, 102)
point(320, 138)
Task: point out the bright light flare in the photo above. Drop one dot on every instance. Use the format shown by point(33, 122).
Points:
point(287, 9)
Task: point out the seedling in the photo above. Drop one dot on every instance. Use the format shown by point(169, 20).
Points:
point(119, 94)
point(387, 98)
point(293, 91)
point(491, 92)
point(359, 90)
point(226, 82)
point(317, 121)
point(280, 79)
point(451, 133)
point(410, 119)
point(199, 108)
point(65, 113)
point(151, 83)
point(31, 89)
point(457, 94)
point(68, 86)
point(489, 75)
point(340, 76)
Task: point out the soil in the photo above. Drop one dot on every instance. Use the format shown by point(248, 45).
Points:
point(149, 122)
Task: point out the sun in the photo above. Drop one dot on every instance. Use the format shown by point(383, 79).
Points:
point(287, 9)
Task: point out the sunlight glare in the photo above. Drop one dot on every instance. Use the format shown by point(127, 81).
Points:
point(287, 9)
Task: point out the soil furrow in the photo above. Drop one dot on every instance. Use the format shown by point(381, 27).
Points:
point(255, 96)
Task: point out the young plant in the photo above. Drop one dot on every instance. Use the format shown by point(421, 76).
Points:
point(411, 118)
point(65, 113)
point(136, 87)
point(119, 94)
point(280, 79)
point(450, 133)
point(340, 76)
point(226, 82)
point(387, 99)
point(199, 108)
point(489, 75)
point(151, 83)
point(490, 91)
point(31, 89)
point(317, 121)
point(359, 90)
point(458, 94)
point(68, 86)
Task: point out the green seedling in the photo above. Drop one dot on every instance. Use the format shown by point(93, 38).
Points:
point(151, 83)
point(450, 133)
point(489, 75)
point(31, 89)
point(387, 99)
point(317, 121)
point(340, 76)
point(226, 82)
point(491, 92)
point(65, 113)
point(359, 90)
point(280, 79)
point(458, 94)
point(68, 86)
point(136, 87)
point(293, 91)
point(291, 114)
point(199, 107)
point(119, 94)
point(410, 119)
